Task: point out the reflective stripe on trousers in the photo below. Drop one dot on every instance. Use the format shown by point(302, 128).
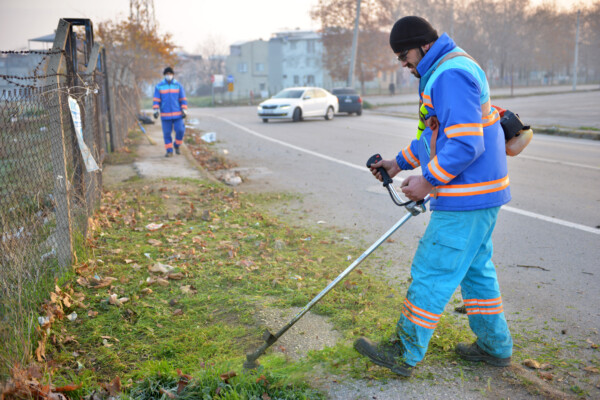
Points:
point(456, 249)
point(168, 125)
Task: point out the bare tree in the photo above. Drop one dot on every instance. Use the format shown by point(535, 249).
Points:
point(136, 44)
point(337, 22)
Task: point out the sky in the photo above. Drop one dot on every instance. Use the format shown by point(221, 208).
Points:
point(193, 23)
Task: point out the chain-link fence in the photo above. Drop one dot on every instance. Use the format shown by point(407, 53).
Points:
point(56, 124)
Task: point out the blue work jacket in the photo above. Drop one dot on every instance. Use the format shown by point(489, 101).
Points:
point(468, 170)
point(170, 98)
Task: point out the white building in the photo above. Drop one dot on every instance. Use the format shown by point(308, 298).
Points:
point(247, 64)
point(296, 59)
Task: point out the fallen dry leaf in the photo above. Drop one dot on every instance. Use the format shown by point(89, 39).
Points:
point(160, 268)
point(176, 276)
point(114, 300)
point(92, 313)
point(68, 388)
point(183, 381)
point(155, 242)
point(179, 311)
point(592, 344)
point(128, 261)
point(101, 283)
point(228, 375)
point(547, 376)
point(188, 289)
point(113, 388)
point(593, 370)
point(154, 227)
point(531, 363)
point(146, 291)
point(40, 351)
point(162, 282)
point(166, 392)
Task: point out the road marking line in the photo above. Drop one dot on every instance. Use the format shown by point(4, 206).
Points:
point(558, 162)
point(552, 220)
point(291, 146)
point(364, 169)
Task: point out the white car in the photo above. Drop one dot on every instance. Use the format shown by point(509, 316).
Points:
point(299, 102)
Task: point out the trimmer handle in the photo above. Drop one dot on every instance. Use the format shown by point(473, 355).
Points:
point(375, 158)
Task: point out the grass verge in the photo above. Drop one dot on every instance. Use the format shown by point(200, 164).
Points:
point(187, 295)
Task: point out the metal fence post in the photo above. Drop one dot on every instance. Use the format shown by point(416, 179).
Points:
point(110, 96)
point(63, 234)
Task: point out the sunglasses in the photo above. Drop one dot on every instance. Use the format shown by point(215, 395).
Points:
point(402, 56)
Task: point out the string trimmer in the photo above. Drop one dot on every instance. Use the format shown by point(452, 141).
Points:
point(413, 208)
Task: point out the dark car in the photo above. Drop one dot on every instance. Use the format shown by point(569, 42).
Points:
point(349, 99)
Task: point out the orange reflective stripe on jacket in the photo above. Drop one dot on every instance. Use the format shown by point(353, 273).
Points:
point(491, 119)
point(171, 114)
point(427, 100)
point(410, 157)
point(475, 129)
point(473, 188)
point(437, 171)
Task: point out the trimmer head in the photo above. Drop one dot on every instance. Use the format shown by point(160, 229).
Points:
point(251, 358)
point(250, 362)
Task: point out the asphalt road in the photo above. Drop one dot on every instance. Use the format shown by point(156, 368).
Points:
point(546, 240)
point(555, 106)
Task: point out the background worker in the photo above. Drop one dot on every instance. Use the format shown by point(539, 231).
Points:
point(461, 152)
point(169, 98)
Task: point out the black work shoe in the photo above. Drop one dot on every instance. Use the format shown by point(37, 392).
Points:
point(472, 352)
point(177, 151)
point(388, 354)
point(169, 154)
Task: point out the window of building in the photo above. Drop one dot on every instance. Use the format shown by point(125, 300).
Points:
point(260, 67)
point(296, 80)
point(242, 67)
point(262, 86)
point(310, 46)
point(310, 79)
point(235, 50)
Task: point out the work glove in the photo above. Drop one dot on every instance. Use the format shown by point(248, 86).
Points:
point(184, 113)
point(155, 114)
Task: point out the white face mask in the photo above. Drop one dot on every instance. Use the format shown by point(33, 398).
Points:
point(169, 77)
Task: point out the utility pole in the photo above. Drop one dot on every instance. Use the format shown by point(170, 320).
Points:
point(452, 19)
point(576, 53)
point(354, 46)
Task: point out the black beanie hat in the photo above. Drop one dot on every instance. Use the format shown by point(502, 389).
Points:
point(168, 70)
point(411, 32)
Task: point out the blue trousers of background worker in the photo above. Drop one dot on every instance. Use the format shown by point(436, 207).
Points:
point(455, 250)
point(167, 127)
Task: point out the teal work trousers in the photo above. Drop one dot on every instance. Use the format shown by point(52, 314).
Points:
point(456, 249)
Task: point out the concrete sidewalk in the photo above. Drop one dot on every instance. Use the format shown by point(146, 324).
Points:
point(152, 163)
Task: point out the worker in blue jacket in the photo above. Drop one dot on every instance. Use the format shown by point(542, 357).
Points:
point(461, 152)
point(169, 98)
